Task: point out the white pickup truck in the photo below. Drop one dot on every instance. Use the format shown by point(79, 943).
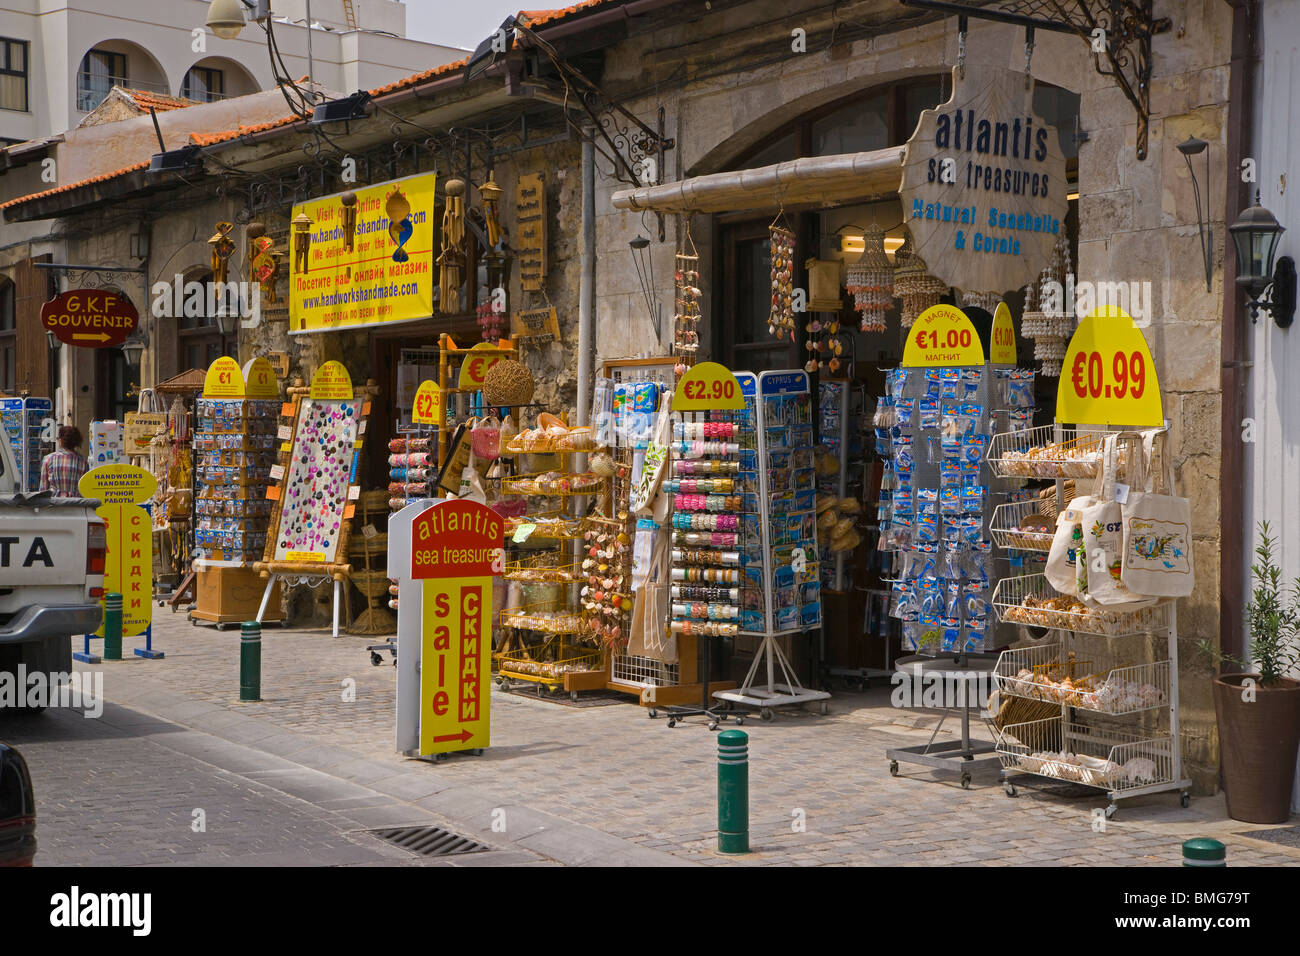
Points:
point(52, 553)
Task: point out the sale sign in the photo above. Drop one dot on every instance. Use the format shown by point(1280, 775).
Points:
point(456, 548)
point(1109, 377)
point(476, 364)
point(128, 564)
point(90, 318)
point(942, 336)
point(225, 379)
point(428, 406)
point(705, 387)
point(1003, 349)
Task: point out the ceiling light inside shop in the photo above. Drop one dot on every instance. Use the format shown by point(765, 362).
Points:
point(855, 243)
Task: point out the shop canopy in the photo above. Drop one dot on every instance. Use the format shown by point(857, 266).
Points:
point(814, 179)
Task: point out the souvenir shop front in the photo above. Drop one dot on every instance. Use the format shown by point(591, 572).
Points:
point(959, 438)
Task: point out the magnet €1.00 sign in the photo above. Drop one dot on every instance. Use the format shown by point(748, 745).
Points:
point(90, 318)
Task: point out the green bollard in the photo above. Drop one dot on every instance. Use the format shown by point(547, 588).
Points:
point(250, 661)
point(113, 626)
point(733, 792)
point(1204, 851)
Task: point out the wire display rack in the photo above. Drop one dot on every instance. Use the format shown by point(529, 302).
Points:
point(1122, 763)
point(1048, 451)
point(1005, 527)
point(1047, 672)
point(1030, 600)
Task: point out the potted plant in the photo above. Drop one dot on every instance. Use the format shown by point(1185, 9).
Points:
point(1258, 711)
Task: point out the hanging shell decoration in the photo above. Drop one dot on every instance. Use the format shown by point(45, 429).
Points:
point(1046, 319)
point(988, 301)
point(451, 261)
point(781, 245)
point(870, 280)
point(686, 328)
point(914, 285)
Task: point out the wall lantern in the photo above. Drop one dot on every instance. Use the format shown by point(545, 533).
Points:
point(133, 351)
point(53, 339)
point(1255, 235)
point(139, 245)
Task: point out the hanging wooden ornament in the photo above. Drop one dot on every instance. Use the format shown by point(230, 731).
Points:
point(686, 327)
point(302, 224)
point(781, 246)
point(349, 219)
point(491, 195)
point(914, 285)
point(870, 280)
point(223, 247)
point(452, 259)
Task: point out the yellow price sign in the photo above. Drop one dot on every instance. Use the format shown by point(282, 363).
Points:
point(942, 335)
point(476, 364)
point(224, 379)
point(707, 386)
point(259, 374)
point(1003, 345)
point(331, 383)
point(118, 484)
point(1109, 377)
point(128, 565)
point(428, 407)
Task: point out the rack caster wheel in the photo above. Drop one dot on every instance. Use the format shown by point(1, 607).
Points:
point(439, 758)
point(965, 781)
point(740, 721)
point(1111, 811)
point(503, 684)
point(1184, 799)
point(652, 713)
point(1010, 790)
point(573, 695)
point(766, 714)
point(713, 725)
point(824, 708)
point(672, 722)
point(893, 768)
point(476, 751)
point(375, 659)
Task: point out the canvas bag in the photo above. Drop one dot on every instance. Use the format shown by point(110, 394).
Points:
point(649, 636)
point(1157, 557)
point(646, 484)
point(143, 424)
point(1062, 569)
point(1103, 534)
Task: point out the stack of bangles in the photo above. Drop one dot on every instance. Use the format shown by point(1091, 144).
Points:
point(692, 556)
point(705, 539)
point(706, 522)
point(702, 486)
point(681, 593)
point(706, 628)
point(707, 502)
point(416, 489)
point(707, 575)
point(705, 449)
point(706, 612)
point(695, 431)
point(705, 467)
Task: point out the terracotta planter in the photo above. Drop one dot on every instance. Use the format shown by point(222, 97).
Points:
point(1257, 744)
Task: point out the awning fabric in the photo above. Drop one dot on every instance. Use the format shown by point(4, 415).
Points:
point(814, 179)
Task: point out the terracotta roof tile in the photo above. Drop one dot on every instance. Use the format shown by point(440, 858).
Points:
point(208, 139)
point(537, 18)
point(77, 185)
point(161, 102)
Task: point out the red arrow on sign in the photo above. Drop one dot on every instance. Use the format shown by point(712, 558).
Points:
point(463, 736)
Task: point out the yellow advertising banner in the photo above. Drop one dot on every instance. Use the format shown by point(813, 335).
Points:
point(366, 262)
point(455, 664)
point(128, 566)
point(118, 484)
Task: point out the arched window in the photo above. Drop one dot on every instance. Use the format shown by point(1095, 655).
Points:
point(8, 340)
point(200, 339)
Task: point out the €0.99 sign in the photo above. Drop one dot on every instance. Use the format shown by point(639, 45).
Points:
point(1109, 377)
point(456, 548)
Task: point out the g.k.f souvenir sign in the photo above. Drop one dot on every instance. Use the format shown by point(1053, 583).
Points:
point(983, 189)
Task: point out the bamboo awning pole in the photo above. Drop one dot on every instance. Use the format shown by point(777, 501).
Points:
point(812, 179)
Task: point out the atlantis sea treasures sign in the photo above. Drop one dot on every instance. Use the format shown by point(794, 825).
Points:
point(984, 190)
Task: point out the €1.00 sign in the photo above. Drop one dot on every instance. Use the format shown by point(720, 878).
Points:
point(456, 548)
point(942, 335)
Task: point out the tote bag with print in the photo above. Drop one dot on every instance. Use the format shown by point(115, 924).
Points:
point(1103, 534)
point(1157, 556)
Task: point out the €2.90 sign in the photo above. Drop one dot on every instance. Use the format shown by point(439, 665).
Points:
point(456, 548)
point(705, 387)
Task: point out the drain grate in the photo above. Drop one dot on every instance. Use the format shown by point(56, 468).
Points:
point(430, 841)
point(1286, 836)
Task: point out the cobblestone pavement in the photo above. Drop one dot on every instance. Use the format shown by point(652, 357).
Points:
point(304, 772)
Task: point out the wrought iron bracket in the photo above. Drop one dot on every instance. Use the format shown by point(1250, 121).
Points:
point(1118, 34)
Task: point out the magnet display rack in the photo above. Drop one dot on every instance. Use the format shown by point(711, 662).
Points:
point(781, 580)
point(1109, 733)
point(22, 418)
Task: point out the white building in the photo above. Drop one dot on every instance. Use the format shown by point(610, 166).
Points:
point(60, 58)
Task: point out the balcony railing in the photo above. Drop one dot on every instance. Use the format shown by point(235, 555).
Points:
point(93, 87)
